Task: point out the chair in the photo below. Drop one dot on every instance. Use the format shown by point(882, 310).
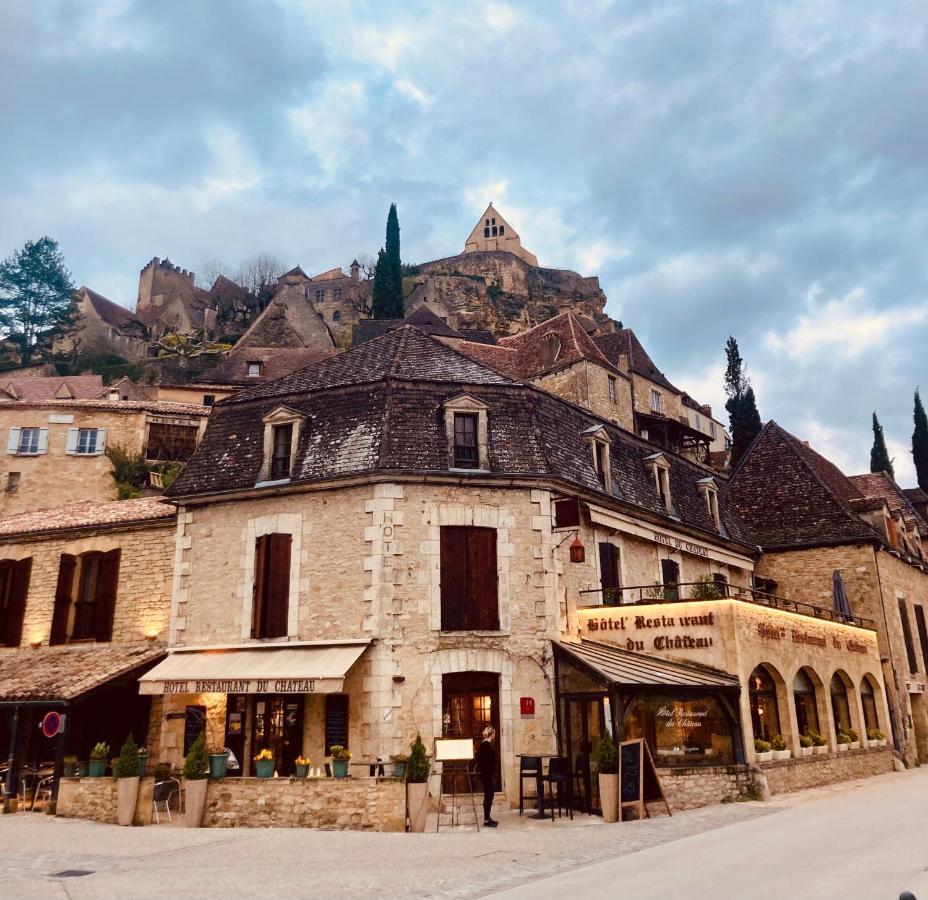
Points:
point(43, 791)
point(162, 793)
point(558, 779)
point(580, 778)
point(529, 767)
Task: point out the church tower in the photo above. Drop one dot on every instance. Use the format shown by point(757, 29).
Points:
point(493, 232)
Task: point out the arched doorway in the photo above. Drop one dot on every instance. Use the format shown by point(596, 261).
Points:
point(868, 702)
point(765, 713)
point(840, 706)
point(806, 705)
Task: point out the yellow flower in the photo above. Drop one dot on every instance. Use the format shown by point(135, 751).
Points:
point(303, 761)
point(264, 754)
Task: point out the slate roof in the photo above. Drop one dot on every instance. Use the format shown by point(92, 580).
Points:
point(426, 320)
point(164, 407)
point(624, 340)
point(66, 673)
point(48, 387)
point(85, 515)
point(790, 496)
point(379, 408)
point(111, 313)
point(276, 363)
point(882, 486)
point(368, 329)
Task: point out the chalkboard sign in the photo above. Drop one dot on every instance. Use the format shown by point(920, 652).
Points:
point(336, 721)
point(638, 781)
point(194, 723)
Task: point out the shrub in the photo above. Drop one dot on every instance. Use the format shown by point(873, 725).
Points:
point(129, 471)
point(778, 743)
point(127, 766)
point(874, 734)
point(339, 752)
point(762, 746)
point(805, 741)
point(196, 765)
point(101, 750)
point(705, 588)
point(843, 738)
point(417, 771)
point(400, 758)
point(607, 756)
point(853, 735)
point(817, 739)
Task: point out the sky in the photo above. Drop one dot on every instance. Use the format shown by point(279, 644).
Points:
point(759, 170)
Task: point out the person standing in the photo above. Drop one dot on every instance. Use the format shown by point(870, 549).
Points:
point(486, 767)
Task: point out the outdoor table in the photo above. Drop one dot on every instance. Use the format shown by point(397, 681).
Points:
point(539, 781)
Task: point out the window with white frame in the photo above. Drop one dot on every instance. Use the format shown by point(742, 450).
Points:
point(282, 429)
point(657, 402)
point(466, 431)
point(612, 391)
point(710, 494)
point(254, 369)
point(86, 441)
point(599, 442)
point(660, 472)
point(712, 429)
point(697, 422)
point(28, 441)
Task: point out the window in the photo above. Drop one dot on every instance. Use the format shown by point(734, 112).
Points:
point(468, 579)
point(14, 586)
point(493, 221)
point(907, 636)
point(270, 611)
point(670, 576)
point(765, 714)
point(280, 460)
point(85, 597)
point(494, 231)
point(601, 463)
point(868, 701)
point(612, 395)
point(501, 229)
point(12, 482)
point(657, 403)
point(840, 708)
point(712, 429)
point(254, 369)
point(336, 293)
point(710, 494)
point(209, 399)
point(27, 441)
point(609, 575)
point(336, 721)
point(922, 633)
point(336, 316)
point(806, 708)
point(486, 232)
point(465, 441)
point(320, 295)
point(168, 442)
point(660, 471)
point(88, 440)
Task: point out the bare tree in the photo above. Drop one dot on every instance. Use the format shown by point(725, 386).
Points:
point(209, 269)
point(259, 273)
point(368, 265)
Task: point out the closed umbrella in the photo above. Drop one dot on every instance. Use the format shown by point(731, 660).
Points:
point(842, 606)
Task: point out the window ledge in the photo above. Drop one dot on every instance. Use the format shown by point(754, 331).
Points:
point(272, 483)
point(464, 632)
point(458, 471)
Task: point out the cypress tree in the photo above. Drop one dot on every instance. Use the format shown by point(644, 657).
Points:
point(381, 296)
point(395, 266)
point(743, 415)
point(879, 455)
point(920, 443)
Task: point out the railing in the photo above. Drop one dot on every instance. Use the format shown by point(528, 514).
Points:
point(685, 591)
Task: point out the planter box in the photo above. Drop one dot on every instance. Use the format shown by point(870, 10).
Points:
point(194, 801)
point(843, 748)
point(782, 754)
point(805, 751)
point(264, 768)
point(855, 745)
point(127, 795)
point(609, 797)
point(340, 768)
point(218, 764)
point(820, 751)
point(97, 768)
point(417, 805)
point(764, 757)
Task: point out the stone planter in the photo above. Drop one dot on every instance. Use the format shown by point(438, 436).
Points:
point(302, 771)
point(872, 745)
point(805, 751)
point(855, 745)
point(194, 801)
point(127, 795)
point(842, 748)
point(609, 797)
point(766, 756)
point(97, 768)
point(218, 764)
point(884, 742)
point(264, 768)
point(417, 805)
point(340, 768)
point(820, 751)
point(782, 754)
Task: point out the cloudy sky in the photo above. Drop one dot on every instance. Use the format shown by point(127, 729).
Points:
point(724, 167)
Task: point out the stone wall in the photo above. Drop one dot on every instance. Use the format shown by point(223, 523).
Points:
point(587, 385)
point(816, 771)
point(362, 804)
point(95, 799)
point(702, 786)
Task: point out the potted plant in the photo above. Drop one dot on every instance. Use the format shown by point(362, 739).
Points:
point(844, 741)
point(98, 759)
point(417, 786)
point(264, 763)
point(763, 750)
point(340, 757)
point(302, 766)
point(196, 768)
point(607, 769)
point(855, 738)
point(780, 750)
point(805, 745)
point(819, 744)
point(69, 766)
point(143, 761)
point(218, 761)
point(126, 771)
point(399, 765)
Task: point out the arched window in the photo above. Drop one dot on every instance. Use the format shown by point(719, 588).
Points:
point(493, 221)
point(487, 222)
point(501, 227)
point(486, 232)
point(765, 715)
point(840, 708)
point(494, 231)
point(806, 709)
point(868, 701)
point(336, 316)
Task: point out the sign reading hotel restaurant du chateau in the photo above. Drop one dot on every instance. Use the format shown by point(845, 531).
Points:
point(646, 626)
point(242, 686)
point(678, 544)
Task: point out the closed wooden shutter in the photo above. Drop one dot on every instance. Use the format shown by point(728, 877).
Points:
point(469, 582)
point(105, 595)
point(481, 561)
point(670, 573)
point(63, 590)
point(453, 578)
point(609, 572)
point(16, 602)
point(278, 585)
point(257, 608)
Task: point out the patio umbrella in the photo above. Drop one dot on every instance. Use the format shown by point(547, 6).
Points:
point(842, 606)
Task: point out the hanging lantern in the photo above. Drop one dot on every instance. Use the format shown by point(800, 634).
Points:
point(577, 551)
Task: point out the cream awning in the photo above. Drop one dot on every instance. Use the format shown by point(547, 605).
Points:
point(302, 668)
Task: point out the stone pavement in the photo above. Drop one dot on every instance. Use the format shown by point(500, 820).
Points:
point(170, 861)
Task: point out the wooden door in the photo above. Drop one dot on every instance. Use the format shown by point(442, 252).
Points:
point(278, 727)
point(470, 702)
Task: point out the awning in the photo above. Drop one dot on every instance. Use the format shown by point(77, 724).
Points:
point(613, 666)
point(303, 668)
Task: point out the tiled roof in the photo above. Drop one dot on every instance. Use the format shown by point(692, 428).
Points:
point(276, 362)
point(791, 496)
point(624, 340)
point(48, 387)
point(426, 320)
point(164, 407)
point(367, 329)
point(881, 486)
point(66, 673)
point(379, 408)
point(87, 514)
point(110, 312)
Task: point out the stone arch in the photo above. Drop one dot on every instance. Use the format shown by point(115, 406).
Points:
point(842, 698)
point(769, 705)
point(810, 703)
point(870, 693)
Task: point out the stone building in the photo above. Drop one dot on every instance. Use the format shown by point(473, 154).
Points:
point(84, 605)
point(169, 302)
point(492, 233)
point(105, 327)
point(816, 525)
point(399, 539)
point(56, 449)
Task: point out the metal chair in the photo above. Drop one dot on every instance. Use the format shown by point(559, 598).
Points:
point(558, 780)
point(43, 791)
point(529, 767)
point(162, 793)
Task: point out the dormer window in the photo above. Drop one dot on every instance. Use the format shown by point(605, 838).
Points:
point(660, 472)
point(280, 460)
point(281, 435)
point(602, 463)
point(254, 369)
point(466, 430)
point(709, 490)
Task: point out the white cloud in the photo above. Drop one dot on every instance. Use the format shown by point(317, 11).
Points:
point(593, 256)
point(411, 90)
point(499, 16)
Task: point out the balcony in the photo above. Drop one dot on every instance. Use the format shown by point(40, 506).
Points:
point(687, 591)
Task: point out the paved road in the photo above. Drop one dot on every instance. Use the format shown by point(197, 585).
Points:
point(864, 840)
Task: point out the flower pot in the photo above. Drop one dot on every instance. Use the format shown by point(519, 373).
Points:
point(842, 748)
point(782, 754)
point(855, 745)
point(609, 797)
point(127, 795)
point(820, 751)
point(194, 801)
point(765, 757)
point(302, 771)
point(69, 770)
point(399, 770)
point(884, 742)
point(340, 768)
point(97, 768)
point(417, 805)
point(218, 762)
point(143, 764)
point(805, 751)
point(264, 768)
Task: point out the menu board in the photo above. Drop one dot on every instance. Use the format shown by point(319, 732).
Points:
point(631, 757)
point(194, 723)
point(336, 721)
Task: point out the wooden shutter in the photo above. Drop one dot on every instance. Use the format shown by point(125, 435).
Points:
point(481, 562)
point(105, 594)
point(63, 590)
point(257, 608)
point(71, 443)
point(16, 602)
point(43, 440)
point(277, 603)
point(453, 548)
point(12, 444)
point(609, 572)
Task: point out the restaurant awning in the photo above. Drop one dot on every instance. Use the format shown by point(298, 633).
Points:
point(294, 668)
point(613, 666)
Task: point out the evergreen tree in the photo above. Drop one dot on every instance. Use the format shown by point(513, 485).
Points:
point(381, 297)
point(743, 414)
point(920, 443)
point(396, 267)
point(879, 456)
point(36, 295)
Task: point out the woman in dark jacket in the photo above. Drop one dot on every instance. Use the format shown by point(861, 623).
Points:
point(486, 766)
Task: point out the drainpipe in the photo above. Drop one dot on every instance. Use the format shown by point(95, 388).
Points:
point(894, 715)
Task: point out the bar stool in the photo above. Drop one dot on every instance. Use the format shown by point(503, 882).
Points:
point(558, 779)
point(529, 767)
